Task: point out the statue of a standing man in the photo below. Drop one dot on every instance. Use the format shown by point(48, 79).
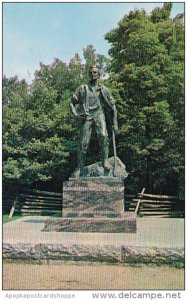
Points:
point(89, 105)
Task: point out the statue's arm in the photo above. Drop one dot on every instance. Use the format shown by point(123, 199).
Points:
point(73, 102)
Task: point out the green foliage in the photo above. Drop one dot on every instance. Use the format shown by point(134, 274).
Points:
point(147, 74)
point(161, 14)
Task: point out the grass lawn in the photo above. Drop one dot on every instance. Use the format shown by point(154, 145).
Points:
point(6, 218)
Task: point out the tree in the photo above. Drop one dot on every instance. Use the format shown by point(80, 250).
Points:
point(32, 150)
point(14, 94)
point(146, 71)
point(161, 14)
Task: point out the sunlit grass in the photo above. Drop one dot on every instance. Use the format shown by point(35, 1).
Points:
point(7, 219)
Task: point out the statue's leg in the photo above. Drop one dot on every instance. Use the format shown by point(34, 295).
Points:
point(101, 129)
point(105, 153)
point(85, 130)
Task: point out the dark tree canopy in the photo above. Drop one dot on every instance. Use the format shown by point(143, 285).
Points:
point(147, 73)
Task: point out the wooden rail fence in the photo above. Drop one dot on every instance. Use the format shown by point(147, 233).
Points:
point(36, 202)
point(149, 205)
point(44, 203)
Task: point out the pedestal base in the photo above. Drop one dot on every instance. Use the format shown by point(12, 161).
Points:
point(93, 204)
point(125, 224)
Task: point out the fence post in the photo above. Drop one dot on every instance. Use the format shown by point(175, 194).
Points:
point(139, 201)
point(13, 207)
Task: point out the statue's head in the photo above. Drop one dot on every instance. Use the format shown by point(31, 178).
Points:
point(94, 72)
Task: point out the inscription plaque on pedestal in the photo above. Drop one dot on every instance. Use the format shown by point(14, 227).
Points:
point(93, 197)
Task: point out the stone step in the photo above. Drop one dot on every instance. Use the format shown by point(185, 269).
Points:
point(125, 224)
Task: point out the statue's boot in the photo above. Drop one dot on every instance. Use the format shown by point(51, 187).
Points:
point(106, 165)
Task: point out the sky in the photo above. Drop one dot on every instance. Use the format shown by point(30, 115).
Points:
point(40, 32)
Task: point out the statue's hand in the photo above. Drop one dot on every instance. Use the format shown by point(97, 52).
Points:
point(83, 117)
point(73, 110)
point(74, 99)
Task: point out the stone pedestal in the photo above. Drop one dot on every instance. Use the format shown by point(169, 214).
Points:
point(93, 197)
point(93, 204)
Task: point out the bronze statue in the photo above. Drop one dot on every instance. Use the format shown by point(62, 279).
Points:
point(89, 105)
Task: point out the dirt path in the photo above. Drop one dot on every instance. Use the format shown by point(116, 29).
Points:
point(87, 276)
